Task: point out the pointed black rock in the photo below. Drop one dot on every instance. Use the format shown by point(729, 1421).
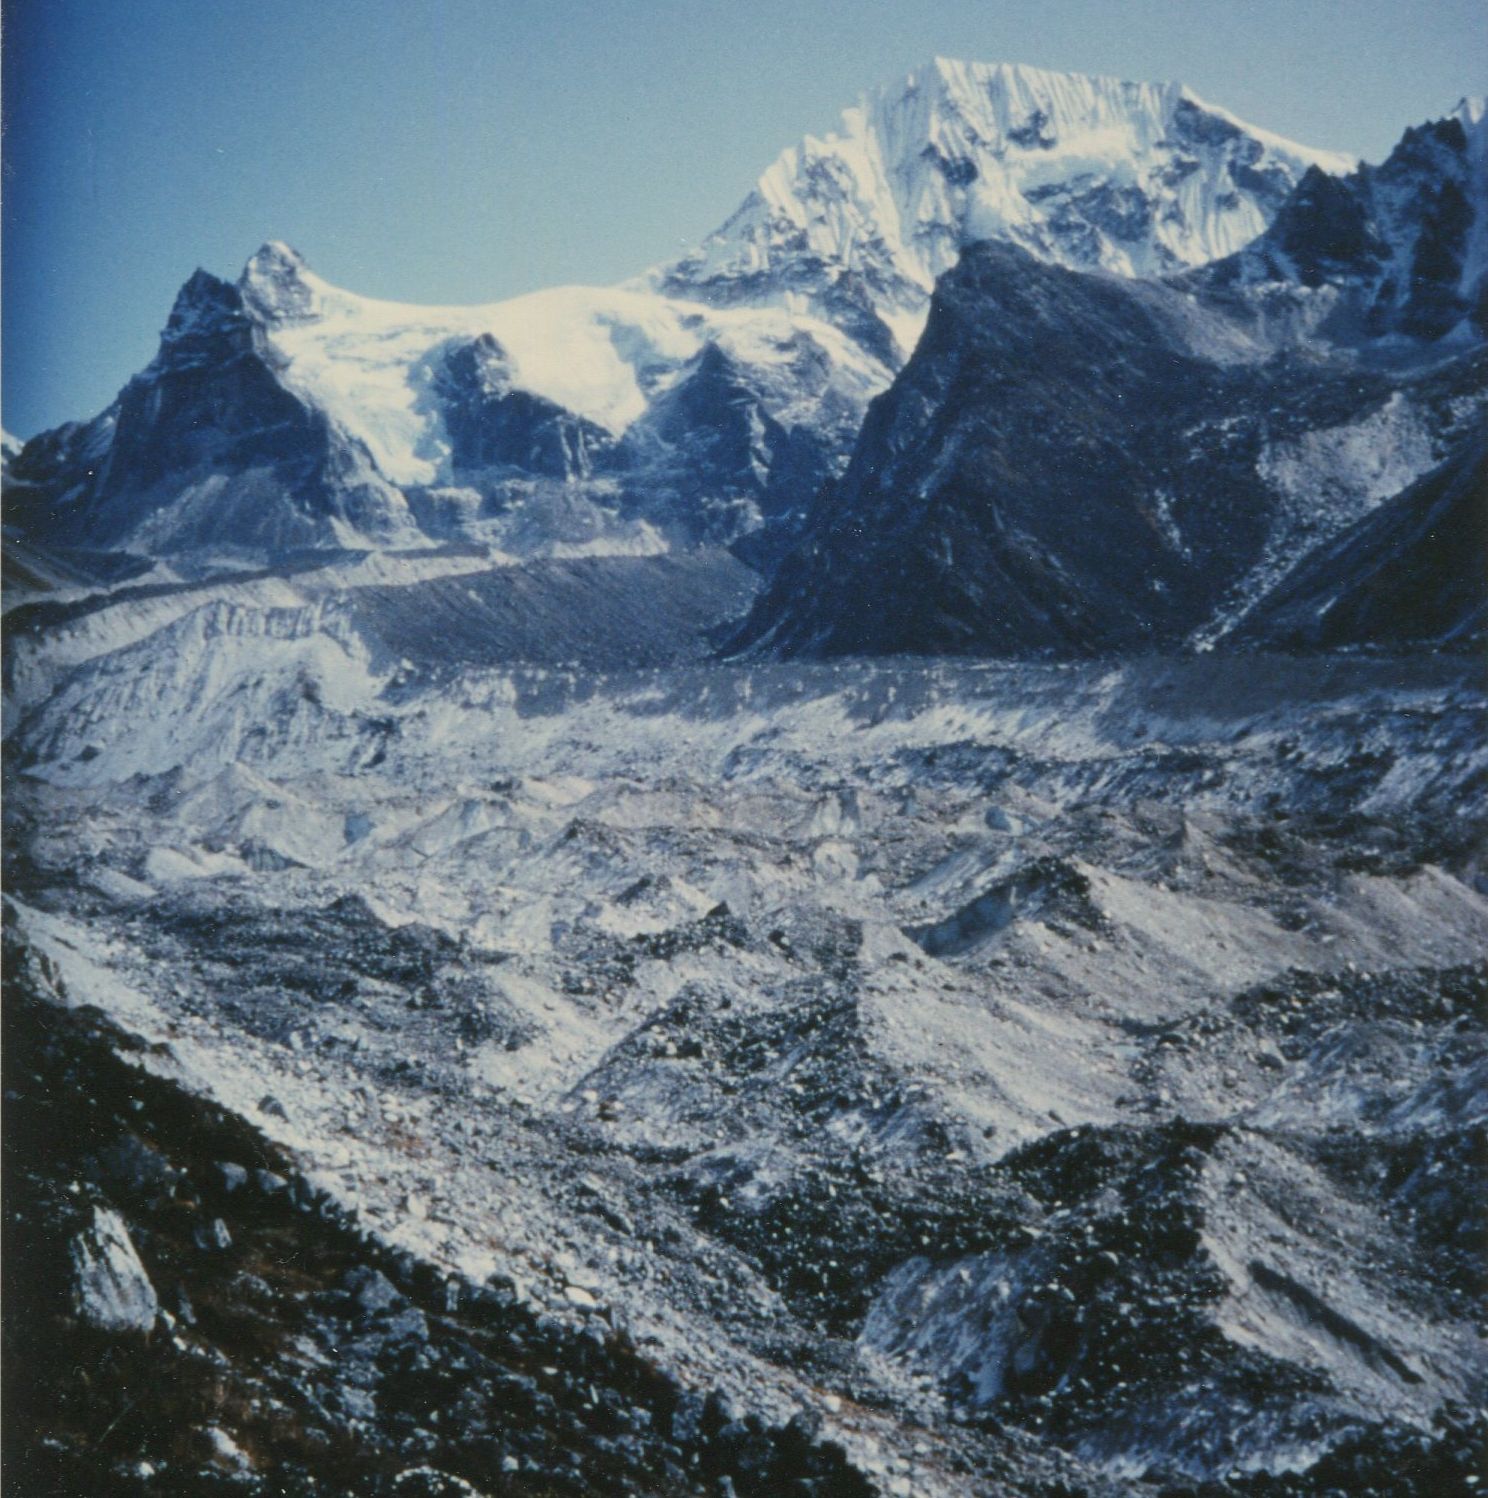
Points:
point(492, 424)
point(206, 448)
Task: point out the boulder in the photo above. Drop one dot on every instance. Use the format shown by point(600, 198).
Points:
point(110, 1289)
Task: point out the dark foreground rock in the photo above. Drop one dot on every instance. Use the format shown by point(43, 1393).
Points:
point(296, 1357)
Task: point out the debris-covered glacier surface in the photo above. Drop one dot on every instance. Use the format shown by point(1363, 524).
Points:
point(907, 1077)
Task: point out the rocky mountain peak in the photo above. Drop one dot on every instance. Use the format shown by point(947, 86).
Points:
point(276, 284)
point(207, 322)
point(1470, 111)
point(203, 298)
point(1404, 244)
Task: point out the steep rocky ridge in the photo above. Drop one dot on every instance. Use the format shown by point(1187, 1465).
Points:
point(1077, 462)
point(1396, 249)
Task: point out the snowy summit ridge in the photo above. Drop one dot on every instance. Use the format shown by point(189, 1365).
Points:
point(1086, 172)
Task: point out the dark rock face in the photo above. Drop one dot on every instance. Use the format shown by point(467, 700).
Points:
point(713, 408)
point(1072, 463)
point(897, 559)
point(205, 448)
point(491, 424)
point(1325, 231)
point(1068, 463)
point(1393, 238)
point(1411, 573)
point(712, 454)
point(210, 401)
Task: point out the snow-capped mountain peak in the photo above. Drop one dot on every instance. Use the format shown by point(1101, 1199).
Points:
point(1087, 172)
point(600, 354)
point(278, 285)
point(284, 411)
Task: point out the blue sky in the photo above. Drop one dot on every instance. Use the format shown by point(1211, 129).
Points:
point(467, 150)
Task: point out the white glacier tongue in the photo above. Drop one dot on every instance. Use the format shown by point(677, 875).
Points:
point(1088, 172)
point(601, 353)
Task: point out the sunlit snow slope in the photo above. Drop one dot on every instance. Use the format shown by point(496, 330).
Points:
point(1086, 172)
point(603, 354)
